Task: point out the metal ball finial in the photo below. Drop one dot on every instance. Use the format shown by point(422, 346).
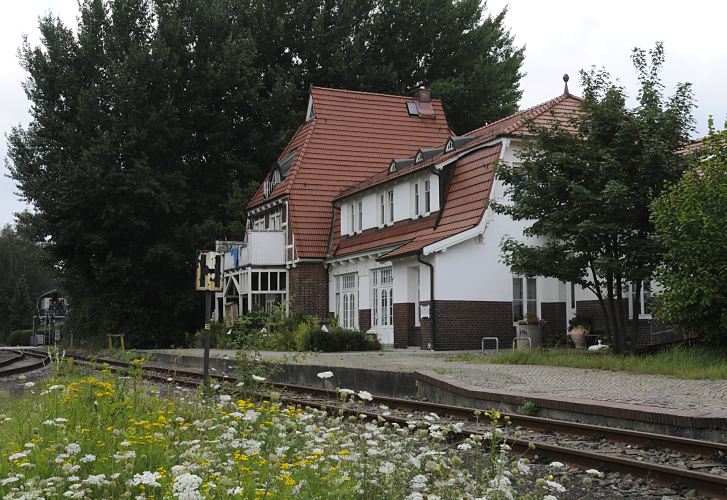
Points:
point(565, 79)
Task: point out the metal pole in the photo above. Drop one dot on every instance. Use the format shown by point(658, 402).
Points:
point(208, 315)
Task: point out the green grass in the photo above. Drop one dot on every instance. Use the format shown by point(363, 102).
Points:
point(680, 362)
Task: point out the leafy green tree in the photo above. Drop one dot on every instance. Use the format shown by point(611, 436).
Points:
point(690, 219)
point(150, 120)
point(586, 188)
point(21, 257)
point(21, 305)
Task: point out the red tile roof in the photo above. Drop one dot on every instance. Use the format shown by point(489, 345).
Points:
point(353, 136)
point(464, 206)
point(559, 110)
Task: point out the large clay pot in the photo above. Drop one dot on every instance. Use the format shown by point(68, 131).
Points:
point(578, 336)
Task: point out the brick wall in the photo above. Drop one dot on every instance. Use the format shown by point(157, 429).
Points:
point(309, 288)
point(403, 324)
point(555, 324)
point(364, 319)
point(592, 309)
point(461, 324)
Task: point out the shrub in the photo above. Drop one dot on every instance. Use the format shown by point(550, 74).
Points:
point(341, 340)
point(19, 337)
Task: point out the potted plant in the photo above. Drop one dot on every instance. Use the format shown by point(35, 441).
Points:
point(531, 327)
point(578, 329)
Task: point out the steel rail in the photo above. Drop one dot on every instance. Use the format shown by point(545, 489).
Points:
point(11, 370)
point(19, 355)
point(715, 486)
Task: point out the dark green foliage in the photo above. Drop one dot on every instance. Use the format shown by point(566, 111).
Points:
point(17, 337)
point(25, 275)
point(588, 193)
point(690, 222)
point(153, 121)
point(340, 341)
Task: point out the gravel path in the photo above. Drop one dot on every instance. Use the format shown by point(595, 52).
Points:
point(709, 396)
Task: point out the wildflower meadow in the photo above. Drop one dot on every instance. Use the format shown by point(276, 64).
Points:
point(100, 435)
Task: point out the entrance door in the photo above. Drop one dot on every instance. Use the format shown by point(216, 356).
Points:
point(382, 299)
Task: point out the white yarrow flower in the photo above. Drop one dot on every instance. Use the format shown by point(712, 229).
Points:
point(365, 395)
point(556, 464)
point(258, 378)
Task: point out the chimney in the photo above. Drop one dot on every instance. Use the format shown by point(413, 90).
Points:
point(423, 95)
point(424, 103)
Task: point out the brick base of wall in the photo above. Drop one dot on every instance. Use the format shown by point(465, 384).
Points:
point(553, 313)
point(403, 324)
point(364, 319)
point(309, 289)
point(461, 324)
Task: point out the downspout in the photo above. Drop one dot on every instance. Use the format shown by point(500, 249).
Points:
point(432, 316)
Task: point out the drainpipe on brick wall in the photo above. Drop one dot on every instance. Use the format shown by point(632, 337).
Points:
point(431, 294)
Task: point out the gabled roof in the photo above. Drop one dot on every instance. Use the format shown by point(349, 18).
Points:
point(560, 109)
point(352, 136)
point(463, 208)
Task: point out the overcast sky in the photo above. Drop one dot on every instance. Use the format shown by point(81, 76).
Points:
point(561, 36)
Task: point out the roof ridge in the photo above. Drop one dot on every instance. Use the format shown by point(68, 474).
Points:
point(299, 159)
point(545, 105)
point(364, 92)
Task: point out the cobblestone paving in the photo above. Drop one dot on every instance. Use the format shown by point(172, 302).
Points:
point(708, 396)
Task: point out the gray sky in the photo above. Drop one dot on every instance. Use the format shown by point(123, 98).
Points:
point(561, 36)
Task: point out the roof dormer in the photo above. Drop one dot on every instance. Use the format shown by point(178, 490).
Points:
point(399, 163)
point(456, 141)
point(425, 153)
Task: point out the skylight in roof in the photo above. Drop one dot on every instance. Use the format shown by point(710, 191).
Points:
point(411, 107)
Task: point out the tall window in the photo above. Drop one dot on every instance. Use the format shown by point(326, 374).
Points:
point(427, 197)
point(641, 304)
point(382, 210)
point(391, 206)
point(524, 297)
point(360, 215)
point(416, 199)
point(352, 227)
point(347, 300)
point(382, 291)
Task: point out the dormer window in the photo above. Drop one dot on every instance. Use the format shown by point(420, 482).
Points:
point(449, 146)
point(275, 177)
point(392, 167)
point(419, 157)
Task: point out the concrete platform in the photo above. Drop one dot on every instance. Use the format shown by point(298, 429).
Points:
point(694, 408)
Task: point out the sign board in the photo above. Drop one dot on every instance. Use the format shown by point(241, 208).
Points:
point(58, 335)
point(208, 277)
point(39, 339)
point(424, 311)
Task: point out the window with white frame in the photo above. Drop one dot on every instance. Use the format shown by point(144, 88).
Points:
point(391, 206)
point(382, 211)
point(347, 300)
point(382, 295)
point(360, 215)
point(351, 212)
point(641, 304)
point(268, 288)
point(427, 196)
point(524, 297)
point(416, 198)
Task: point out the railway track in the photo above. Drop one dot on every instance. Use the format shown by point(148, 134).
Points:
point(22, 361)
point(545, 441)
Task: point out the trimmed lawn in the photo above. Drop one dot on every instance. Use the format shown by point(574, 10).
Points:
point(680, 362)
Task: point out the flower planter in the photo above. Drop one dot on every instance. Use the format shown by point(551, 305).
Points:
point(578, 336)
point(534, 333)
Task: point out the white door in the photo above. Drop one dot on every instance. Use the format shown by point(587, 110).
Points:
point(382, 300)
